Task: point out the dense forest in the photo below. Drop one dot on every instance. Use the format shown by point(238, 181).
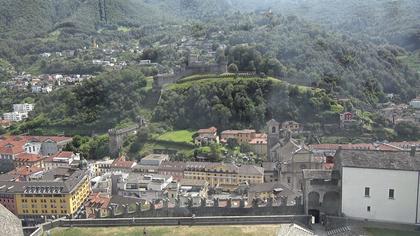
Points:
point(358, 50)
point(243, 102)
point(97, 105)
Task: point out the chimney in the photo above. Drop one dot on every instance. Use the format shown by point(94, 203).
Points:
point(413, 151)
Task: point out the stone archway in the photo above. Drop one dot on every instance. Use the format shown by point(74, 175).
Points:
point(331, 203)
point(313, 200)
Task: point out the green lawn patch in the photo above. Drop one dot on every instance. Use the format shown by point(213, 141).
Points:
point(179, 136)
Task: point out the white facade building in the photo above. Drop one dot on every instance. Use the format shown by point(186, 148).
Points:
point(415, 103)
point(381, 186)
point(15, 116)
point(25, 107)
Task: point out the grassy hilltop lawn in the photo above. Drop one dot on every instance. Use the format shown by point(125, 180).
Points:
point(251, 230)
point(179, 136)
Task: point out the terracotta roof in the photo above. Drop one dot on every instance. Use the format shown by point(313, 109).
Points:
point(65, 154)
point(28, 157)
point(15, 144)
point(12, 148)
point(209, 130)
point(122, 163)
point(98, 200)
point(23, 171)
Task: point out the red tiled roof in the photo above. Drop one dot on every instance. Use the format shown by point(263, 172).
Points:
point(122, 163)
point(23, 171)
point(15, 144)
point(66, 154)
point(98, 200)
point(28, 157)
point(209, 130)
point(12, 149)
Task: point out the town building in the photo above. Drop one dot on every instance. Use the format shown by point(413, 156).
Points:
point(224, 175)
point(173, 168)
point(55, 193)
point(270, 190)
point(241, 136)
point(348, 120)
point(15, 116)
point(121, 164)
point(380, 185)
point(25, 107)
point(62, 159)
point(259, 144)
point(415, 103)
point(22, 173)
point(206, 136)
point(154, 159)
point(97, 205)
point(193, 191)
point(292, 126)
point(139, 186)
point(101, 167)
point(28, 159)
point(290, 156)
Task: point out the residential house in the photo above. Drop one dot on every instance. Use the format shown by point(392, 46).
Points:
point(21, 173)
point(292, 126)
point(97, 206)
point(207, 136)
point(121, 164)
point(241, 136)
point(101, 167)
point(259, 144)
point(62, 159)
point(28, 159)
point(15, 116)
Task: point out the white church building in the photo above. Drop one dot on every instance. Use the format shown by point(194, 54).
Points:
point(380, 185)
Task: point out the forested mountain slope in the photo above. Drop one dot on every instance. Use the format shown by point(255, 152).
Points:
point(396, 21)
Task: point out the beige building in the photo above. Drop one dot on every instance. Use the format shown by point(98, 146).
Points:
point(207, 136)
point(225, 176)
point(241, 136)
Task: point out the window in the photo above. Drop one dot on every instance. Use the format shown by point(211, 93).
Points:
point(288, 180)
point(391, 193)
point(368, 208)
point(273, 130)
point(367, 192)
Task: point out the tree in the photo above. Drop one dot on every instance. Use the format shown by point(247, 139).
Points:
point(232, 143)
point(245, 148)
point(233, 68)
point(407, 131)
point(215, 153)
